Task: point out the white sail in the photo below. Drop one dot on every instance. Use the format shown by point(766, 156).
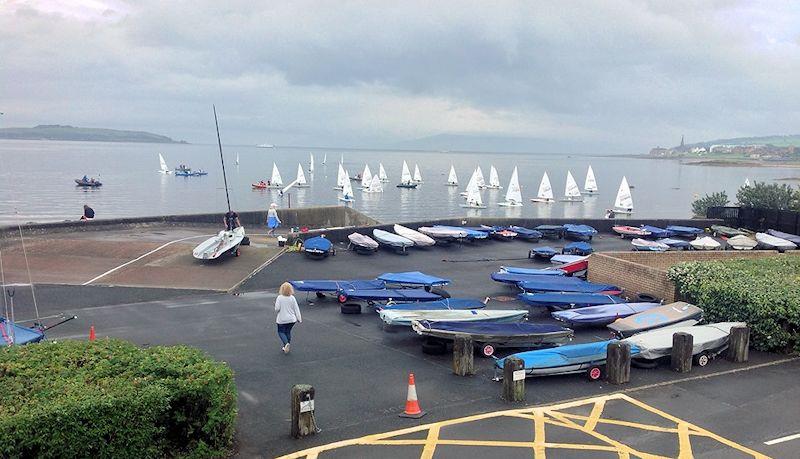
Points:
point(479, 177)
point(494, 179)
point(452, 179)
point(571, 191)
point(164, 169)
point(237, 159)
point(301, 177)
point(624, 199)
point(473, 196)
point(347, 190)
point(514, 193)
point(747, 181)
point(341, 160)
point(366, 177)
point(341, 177)
point(545, 190)
point(325, 159)
point(311, 162)
point(590, 185)
point(276, 179)
point(406, 176)
point(375, 185)
point(417, 175)
point(382, 173)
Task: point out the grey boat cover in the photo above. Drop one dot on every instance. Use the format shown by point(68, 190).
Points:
point(655, 344)
point(662, 316)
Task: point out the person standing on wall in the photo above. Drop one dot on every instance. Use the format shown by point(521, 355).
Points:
point(273, 221)
point(288, 314)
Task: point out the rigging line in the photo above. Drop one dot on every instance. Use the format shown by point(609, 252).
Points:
point(27, 266)
point(3, 283)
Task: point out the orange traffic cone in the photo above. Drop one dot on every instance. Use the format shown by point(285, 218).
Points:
point(91, 333)
point(412, 405)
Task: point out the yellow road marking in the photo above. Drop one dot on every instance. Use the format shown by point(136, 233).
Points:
point(538, 437)
point(597, 410)
point(430, 442)
point(685, 443)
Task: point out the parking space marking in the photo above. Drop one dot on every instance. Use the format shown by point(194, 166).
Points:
point(782, 439)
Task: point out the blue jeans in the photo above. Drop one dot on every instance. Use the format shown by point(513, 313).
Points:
point(285, 332)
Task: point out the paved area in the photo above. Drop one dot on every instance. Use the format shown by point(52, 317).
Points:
point(151, 256)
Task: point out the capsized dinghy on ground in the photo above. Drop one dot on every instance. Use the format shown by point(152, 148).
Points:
point(395, 242)
point(643, 245)
point(579, 232)
point(532, 271)
point(545, 252)
point(566, 284)
point(491, 336)
point(705, 243)
point(601, 315)
point(471, 315)
point(318, 247)
point(559, 301)
point(793, 238)
point(413, 279)
point(684, 231)
point(443, 234)
point(577, 248)
point(708, 341)
point(742, 242)
point(361, 243)
point(678, 313)
point(440, 305)
point(768, 241)
point(589, 358)
point(419, 239)
point(395, 295)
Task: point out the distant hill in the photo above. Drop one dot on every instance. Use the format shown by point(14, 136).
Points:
point(776, 140)
point(59, 132)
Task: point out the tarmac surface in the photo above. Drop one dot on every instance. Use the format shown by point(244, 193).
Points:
point(359, 369)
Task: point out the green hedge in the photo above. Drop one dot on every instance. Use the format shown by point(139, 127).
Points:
point(763, 292)
point(110, 398)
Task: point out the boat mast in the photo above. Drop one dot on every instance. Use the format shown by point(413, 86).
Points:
point(221, 159)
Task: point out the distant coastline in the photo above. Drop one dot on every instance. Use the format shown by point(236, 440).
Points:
point(81, 134)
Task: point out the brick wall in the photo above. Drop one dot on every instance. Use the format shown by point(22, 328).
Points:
point(646, 272)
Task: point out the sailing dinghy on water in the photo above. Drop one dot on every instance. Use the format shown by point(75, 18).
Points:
point(366, 177)
point(375, 185)
point(341, 178)
point(590, 185)
point(545, 193)
point(325, 159)
point(382, 174)
point(227, 241)
point(571, 192)
point(474, 200)
point(417, 175)
point(514, 193)
point(479, 177)
point(347, 191)
point(276, 181)
point(311, 163)
point(300, 181)
point(406, 181)
point(164, 169)
point(494, 179)
point(624, 202)
point(452, 179)
point(237, 159)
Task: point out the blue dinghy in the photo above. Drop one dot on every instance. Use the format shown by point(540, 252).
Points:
point(14, 334)
point(413, 278)
point(525, 233)
point(579, 232)
point(577, 248)
point(793, 238)
point(656, 232)
point(533, 271)
point(490, 335)
point(318, 247)
point(335, 285)
point(545, 252)
point(447, 303)
point(675, 243)
point(685, 231)
point(565, 284)
point(514, 278)
point(386, 295)
point(551, 231)
point(568, 300)
point(601, 315)
point(573, 358)
point(472, 234)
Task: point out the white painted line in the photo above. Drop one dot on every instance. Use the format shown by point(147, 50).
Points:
point(186, 305)
point(782, 439)
point(140, 257)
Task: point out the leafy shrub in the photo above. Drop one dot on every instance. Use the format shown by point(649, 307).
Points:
point(110, 398)
point(701, 205)
point(764, 292)
point(769, 196)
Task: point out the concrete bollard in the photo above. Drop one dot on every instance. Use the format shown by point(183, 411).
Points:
point(738, 351)
point(463, 356)
point(682, 352)
point(303, 423)
point(513, 380)
point(618, 363)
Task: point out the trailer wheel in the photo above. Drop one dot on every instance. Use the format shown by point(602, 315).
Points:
point(440, 291)
point(434, 347)
point(594, 373)
point(350, 308)
point(320, 295)
point(488, 350)
point(702, 359)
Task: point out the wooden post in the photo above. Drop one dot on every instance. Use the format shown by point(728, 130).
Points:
point(513, 391)
point(738, 351)
point(302, 411)
point(682, 352)
point(463, 356)
point(618, 363)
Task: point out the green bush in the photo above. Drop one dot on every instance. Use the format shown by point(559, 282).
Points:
point(110, 398)
point(764, 292)
point(701, 205)
point(769, 196)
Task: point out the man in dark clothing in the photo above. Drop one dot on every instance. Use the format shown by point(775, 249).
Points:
point(231, 220)
point(88, 213)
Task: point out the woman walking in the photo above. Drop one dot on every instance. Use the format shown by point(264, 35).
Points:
point(272, 218)
point(288, 314)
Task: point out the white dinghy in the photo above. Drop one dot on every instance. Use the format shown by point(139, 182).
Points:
point(705, 243)
point(275, 181)
point(382, 173)
point(347, 191)
point(237, 159)
point(417, 175)
point(624, 202)
point(590, 185)
point(341, 178)
point(571, 192)
point(300, 181)
point(420, 240)
point(452, 178)
point(474, 200)
point(311, 163)
point(769, 241)
point(545, 193)
point(406, 180)
point(742, 242)
point(404, 317)
point(514, 193)
point(366, 177)
point(494, 179)
point(479, 178)
point(163, 164)
point(325, 159)
point(375, 185)
point(708, 341)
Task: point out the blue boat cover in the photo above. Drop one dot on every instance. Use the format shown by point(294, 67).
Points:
point(657, 232)
point(578, 248)
point(413, 278)
point(582, 230)
point(471, 233)
point(497, 329)
point(571, 354)
point(447, 303)
point(546, 250)
point(11, 333)
point(335, 285)
point(549, 228)
point(563, 284)
point(318, 243)
point(603, 314)
point(676, 243)
point(684, 230)
point(532, 271)
point(524, 233)
point(568, 300)
point(514, 278)
point(403, 294)
point(789, 237)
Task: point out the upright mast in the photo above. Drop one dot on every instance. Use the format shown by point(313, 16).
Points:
point(221, 159)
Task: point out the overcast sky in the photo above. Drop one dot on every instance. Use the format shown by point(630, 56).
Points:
point(621, 76)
